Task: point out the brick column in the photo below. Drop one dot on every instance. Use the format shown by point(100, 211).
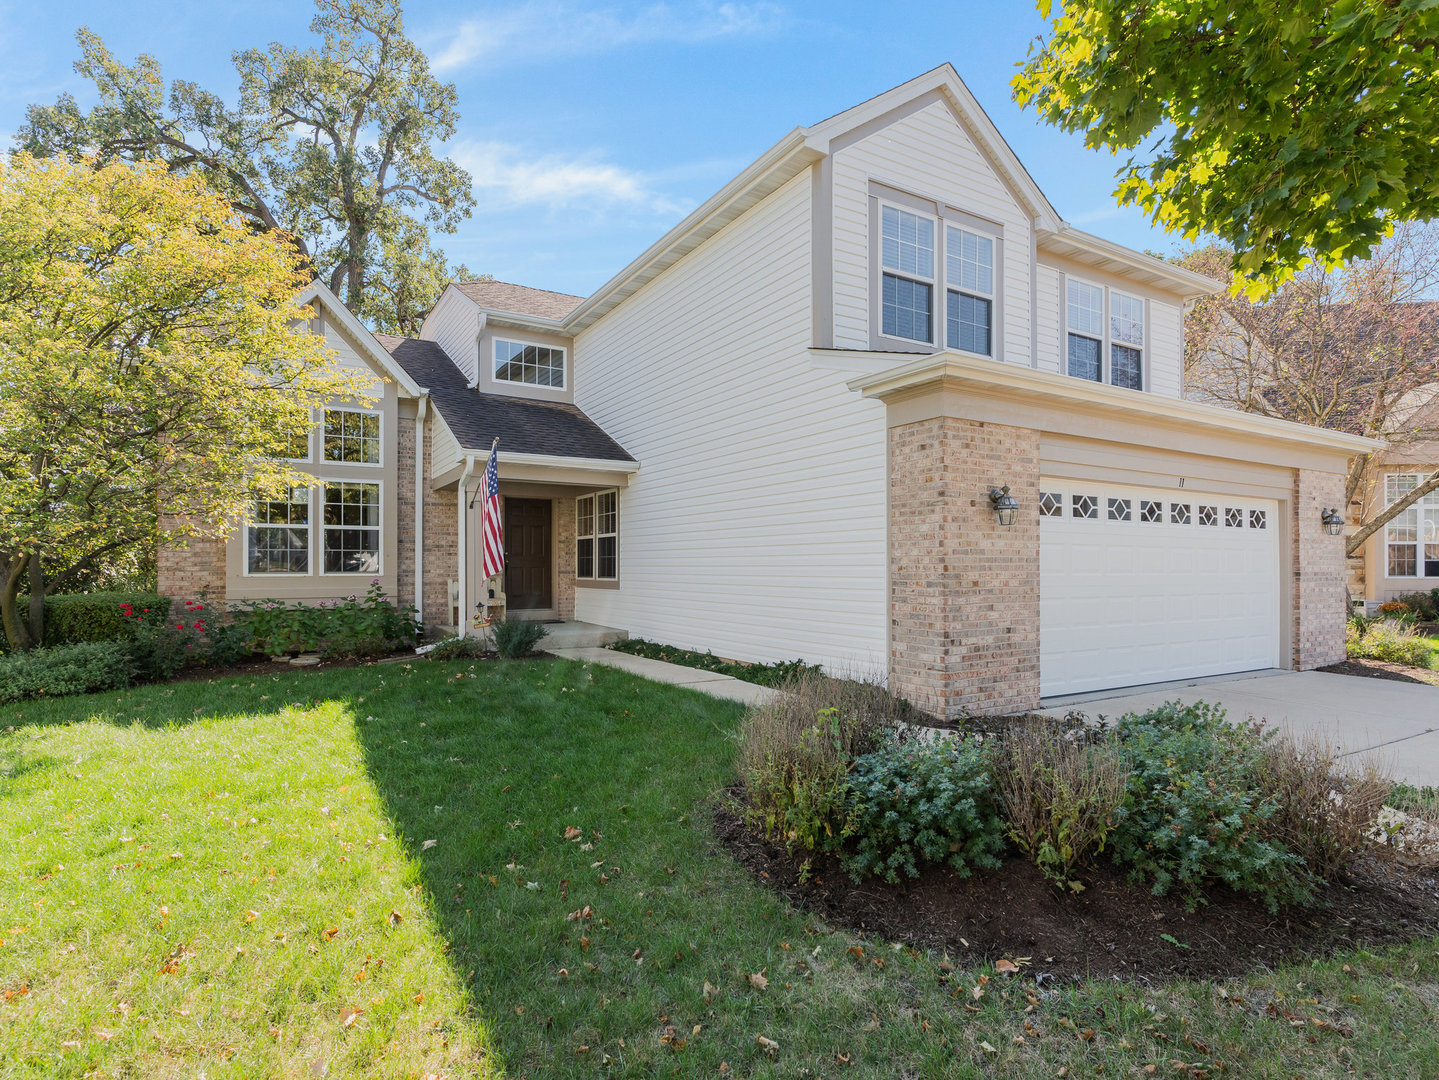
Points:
point(441, 542)
point(964, 590)
point(190, 568)
point(1320, 568)
point(405, 512)
point(564, 535)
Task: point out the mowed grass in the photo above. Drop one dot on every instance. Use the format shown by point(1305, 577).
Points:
point(136, 824)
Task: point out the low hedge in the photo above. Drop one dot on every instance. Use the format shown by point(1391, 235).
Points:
point(71, 618)
point(66, 669)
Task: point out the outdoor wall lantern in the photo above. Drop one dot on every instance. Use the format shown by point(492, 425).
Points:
point(1333, 521)
point(1004, 504)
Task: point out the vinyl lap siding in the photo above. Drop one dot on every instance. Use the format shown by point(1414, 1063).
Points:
point(930, 155)
point(756, 524)
point(1166, 362)
point(454, 326)
point(1050, 287)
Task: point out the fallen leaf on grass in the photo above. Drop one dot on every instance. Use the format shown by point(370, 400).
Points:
point(331, 932)
point(251, 916)
point(349, 1015)
point(757, 980)
point(585, 912)
point(1006, 967)
point(770, 1046)
point(987, 1048)
point(572, 833)
point(428, 844)
point(710, 991)
point(394, 918)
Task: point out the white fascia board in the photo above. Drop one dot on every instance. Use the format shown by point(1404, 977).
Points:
point(962, 370)
point(1187, 282)
point(559, 461)
point(318, 293)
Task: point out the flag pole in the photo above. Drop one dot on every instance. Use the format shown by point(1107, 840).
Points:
point(485, 612)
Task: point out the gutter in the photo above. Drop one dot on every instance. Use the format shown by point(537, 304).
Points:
point(461, 508)
point(422, 407)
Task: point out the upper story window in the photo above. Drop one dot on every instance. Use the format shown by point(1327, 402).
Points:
point(1412, 536)
point(1104, 349)
point(907, 256)
point(969, 279)
point(352, 436)
point(537, 365)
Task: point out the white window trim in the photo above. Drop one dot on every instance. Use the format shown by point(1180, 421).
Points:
point(1428, 502)
point(379, 438)
point(596, 535)
point(309, 528)
point(1106, 338)
point(526, 342)
point(934, 281)
point(992, 296)
point(317, 559)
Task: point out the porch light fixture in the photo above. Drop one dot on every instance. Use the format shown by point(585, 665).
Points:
point(1333, 521)
point(1004, 504)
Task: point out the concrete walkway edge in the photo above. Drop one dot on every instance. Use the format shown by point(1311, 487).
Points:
point(706, 682)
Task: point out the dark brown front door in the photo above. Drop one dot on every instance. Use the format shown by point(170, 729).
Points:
point(527, 554)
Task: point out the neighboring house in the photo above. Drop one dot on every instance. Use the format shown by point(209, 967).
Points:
point(775, 434)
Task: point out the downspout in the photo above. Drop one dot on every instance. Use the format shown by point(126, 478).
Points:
point(421, 409)
point(464, 627)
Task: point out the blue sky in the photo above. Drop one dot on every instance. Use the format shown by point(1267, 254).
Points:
point(593, 127)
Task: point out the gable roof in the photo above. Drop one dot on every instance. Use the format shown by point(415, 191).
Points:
point(523, 425)
point(317, 293)
point(520, 299)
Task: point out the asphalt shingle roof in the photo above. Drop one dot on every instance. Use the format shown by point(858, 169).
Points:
point(523, 425)
point(520, 299)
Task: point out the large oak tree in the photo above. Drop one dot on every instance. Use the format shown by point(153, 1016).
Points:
point(334, 145)
point(151, 354)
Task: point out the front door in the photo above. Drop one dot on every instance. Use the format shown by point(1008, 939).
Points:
point(527, 554)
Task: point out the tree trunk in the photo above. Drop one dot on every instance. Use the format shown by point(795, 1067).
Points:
point(13, 569)
point(37, 598)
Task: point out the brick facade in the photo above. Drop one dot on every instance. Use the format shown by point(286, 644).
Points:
point(964, 590)
point(1319, 566)
point(564, 537)
point(192, 568)
point(405, 512)
point(441, 544)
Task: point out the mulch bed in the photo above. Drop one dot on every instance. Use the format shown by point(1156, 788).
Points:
point(1113, 928)
point(251, 669)
point(1380, 669)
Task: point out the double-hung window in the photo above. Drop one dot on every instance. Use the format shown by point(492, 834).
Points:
point(1104, 346)
point(969, 285)
point(352, 528)
point(1412, 535)
point(278, 537)
point(597, 528)
point(907, 282)
point(352, 436)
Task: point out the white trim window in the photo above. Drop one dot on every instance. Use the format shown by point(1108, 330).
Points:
point(534, 365)
point(300, 445)
point(969, 291)
point(597, 536)
point(1101, 349)
point(906, 241)
point(1411, 538)
point(352, 436)
point(278, 536)
point(351, 541)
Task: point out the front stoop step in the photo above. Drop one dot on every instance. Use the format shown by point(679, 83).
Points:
point(580, 635)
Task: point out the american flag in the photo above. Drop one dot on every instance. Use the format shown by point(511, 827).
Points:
point(494, 561)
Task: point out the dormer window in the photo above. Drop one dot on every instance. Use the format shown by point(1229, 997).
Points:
point(524, 362)
point(1104, 349)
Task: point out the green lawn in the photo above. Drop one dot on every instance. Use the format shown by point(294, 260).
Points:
point(140, 831)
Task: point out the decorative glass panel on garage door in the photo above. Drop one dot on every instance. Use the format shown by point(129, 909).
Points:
point(1140, 585)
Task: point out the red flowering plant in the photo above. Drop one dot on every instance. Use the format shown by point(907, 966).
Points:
point(160, 650)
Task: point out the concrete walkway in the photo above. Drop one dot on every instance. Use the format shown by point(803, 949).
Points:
point(706, 682)
point(1395, 724)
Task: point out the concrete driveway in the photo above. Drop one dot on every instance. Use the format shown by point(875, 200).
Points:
point(1395, 724)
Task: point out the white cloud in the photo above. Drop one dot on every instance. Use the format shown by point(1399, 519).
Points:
point(506, 175)
point(565, 29)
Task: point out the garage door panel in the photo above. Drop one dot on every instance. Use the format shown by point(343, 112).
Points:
point(1127, 602)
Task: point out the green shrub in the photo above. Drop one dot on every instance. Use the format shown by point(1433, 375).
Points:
point(1060, 792)
point(459, 648)
point(1387, 641)
point(357, 626)
point(160, 652)
point(64, 669)
point(1424, 605)
point(516, 638)
point(1196, 810)
point(921, 801)
point(776, 674)
point(795, 752)
point(226, 644)
point(71, 618)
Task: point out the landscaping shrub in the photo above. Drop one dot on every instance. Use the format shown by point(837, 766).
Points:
point(1060, 792)
point(226, 645)
point(516, 638)
point(1196, 812)
point(795, 753)
point(358, 626)
point(921, 800)
point(1388, 641)
point(459, 648)
point(1323, 811)
point(71, 618)
point(1424, 605)
point(776, 674)
point(64, 669)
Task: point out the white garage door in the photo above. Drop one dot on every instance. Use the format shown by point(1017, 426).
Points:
point(1140, 586)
